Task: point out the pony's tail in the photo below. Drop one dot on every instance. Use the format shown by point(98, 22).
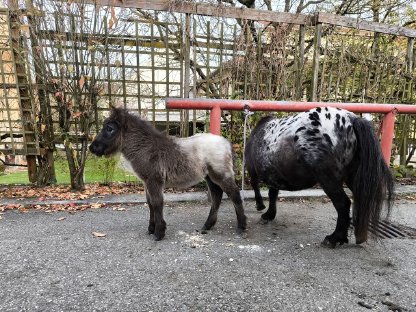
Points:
point(373, 181)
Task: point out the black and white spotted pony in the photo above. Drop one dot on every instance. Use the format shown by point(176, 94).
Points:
point(328, 146)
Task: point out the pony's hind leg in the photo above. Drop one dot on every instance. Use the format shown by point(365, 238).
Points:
point(231, 189)
point(154, 193)
point(257, 195)
point(270, 214)
point(216, 196)
point(342, 205)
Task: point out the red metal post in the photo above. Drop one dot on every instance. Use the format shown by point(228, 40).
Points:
point(215, 120)
point(216, 105)
point(387, 132)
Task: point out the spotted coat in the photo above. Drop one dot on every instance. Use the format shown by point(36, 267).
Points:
point(302, 142)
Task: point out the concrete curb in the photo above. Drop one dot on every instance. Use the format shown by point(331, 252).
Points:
point(180, 197)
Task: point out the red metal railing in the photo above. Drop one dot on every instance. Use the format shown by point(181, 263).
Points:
point(217, 105)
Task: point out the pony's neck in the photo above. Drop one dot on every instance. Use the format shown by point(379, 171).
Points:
point(140, 137)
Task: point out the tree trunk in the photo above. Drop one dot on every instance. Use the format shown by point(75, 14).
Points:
point(76, 172)
point(46, 167)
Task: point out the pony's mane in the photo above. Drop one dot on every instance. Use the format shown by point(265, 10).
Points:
point(128, 120)
point(265, 119)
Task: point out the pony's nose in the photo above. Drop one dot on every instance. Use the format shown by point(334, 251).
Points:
point(93, 148)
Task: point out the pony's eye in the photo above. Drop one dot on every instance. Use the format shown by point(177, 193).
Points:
point(110, 129)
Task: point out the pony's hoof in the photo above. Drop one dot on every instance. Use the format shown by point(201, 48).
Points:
point(159, 237)
point(330, 242)
point(242, 232)
point(206, 228)
point(260, 207)
point(263, 221)
point(327, 243)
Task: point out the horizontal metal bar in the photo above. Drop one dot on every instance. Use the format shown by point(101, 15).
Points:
point(288, 106)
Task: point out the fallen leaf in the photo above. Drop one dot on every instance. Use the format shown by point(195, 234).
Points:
point(98, 234)
point(23, 209)
point(81, 82)
point(119, 209)
point(96, 205)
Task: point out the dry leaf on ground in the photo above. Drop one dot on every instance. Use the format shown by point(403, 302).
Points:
point(98, 234)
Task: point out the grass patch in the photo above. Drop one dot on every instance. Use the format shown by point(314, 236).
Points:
point(101, 170)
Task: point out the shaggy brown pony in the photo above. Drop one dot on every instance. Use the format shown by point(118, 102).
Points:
point(163, 161)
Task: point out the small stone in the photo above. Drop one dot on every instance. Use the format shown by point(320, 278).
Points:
point(231, 259)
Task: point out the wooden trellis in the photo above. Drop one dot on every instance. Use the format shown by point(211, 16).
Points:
point(17, 111)
point(322, 57)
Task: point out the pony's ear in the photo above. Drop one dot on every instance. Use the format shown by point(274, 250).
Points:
point(118, 115)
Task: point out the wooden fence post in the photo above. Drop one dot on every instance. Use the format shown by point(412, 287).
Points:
point(405, 119)
point(301, 61)
point(315, 65)
point(187, 74)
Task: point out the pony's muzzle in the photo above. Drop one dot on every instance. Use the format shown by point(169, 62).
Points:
point(96, 149)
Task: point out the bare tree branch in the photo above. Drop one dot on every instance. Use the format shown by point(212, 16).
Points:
point(227, 1)
point(304, 6)
point(409, 23)
point(268, 4)
point(247, 3)
point(11, 165)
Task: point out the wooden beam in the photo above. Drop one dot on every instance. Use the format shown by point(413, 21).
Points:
point(315, 65)
point(207, 9)
point(350, 22)
point(257, 15)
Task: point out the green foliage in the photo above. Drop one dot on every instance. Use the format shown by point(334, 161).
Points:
point(101, 170)
point(109, 166)
point(401, 171)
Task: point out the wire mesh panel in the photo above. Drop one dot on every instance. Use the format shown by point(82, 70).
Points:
point(362, 66)
point(89, 57)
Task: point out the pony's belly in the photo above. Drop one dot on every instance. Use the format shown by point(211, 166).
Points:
point(280, 184)
point(293, 177)
point(184, 182)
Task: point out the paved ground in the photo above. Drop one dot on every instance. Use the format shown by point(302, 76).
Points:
point(53, 262)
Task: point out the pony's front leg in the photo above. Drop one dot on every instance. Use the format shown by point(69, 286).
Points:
point(155, 199)
point(151, 228)
point(270, 214)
